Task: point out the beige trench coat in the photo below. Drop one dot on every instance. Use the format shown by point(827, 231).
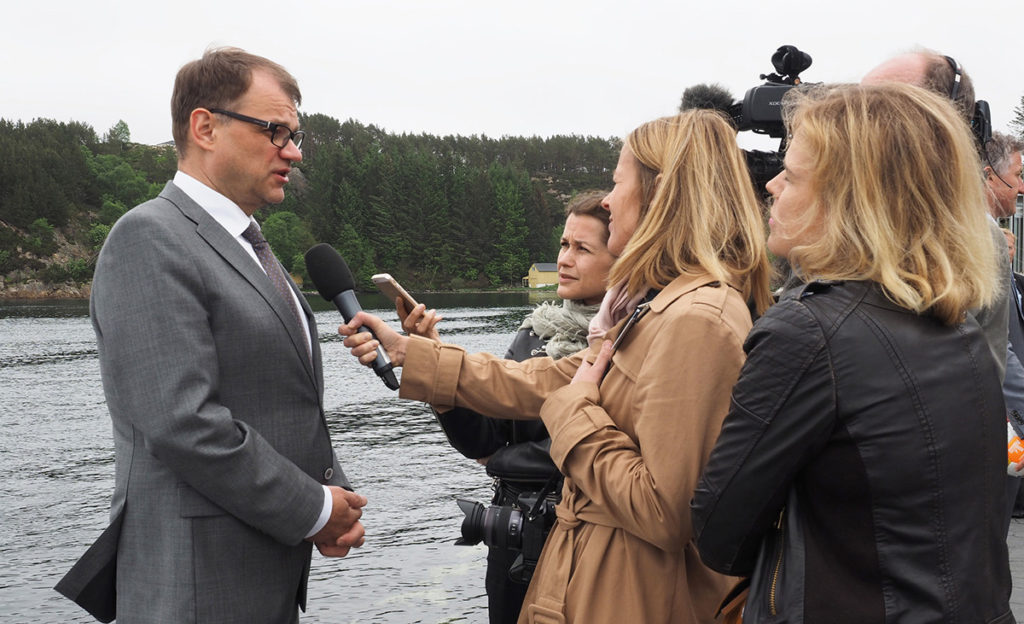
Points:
point(632, 450)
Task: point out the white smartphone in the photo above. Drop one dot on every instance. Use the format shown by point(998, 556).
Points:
point(393, 290)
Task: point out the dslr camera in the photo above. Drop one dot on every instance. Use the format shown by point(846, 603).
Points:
point(523, 527)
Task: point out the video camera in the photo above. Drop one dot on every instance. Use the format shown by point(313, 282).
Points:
point(761, 112)
point(761, 108)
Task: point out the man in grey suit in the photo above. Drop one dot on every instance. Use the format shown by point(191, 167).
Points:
point(1002, 169)
point(224, 472)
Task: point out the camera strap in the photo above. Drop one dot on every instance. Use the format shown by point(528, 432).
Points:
point(538, 505)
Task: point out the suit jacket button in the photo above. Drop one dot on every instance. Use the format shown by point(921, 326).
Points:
point(328, 474)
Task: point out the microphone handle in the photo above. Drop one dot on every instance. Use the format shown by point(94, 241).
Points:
point(382, 365)
point(348, 305)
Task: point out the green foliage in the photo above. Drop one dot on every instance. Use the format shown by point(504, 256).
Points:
point(432, 210)
point(41, 240)
point(111, 211)
point(117, 181)
point(75, 270)
point(118, 134)
point(98, 235)
point(44, 171)
point(358, 256)
point(509, 256)
point(9, 242)
point(298, 267)
point(288, 236)
point(436, 212)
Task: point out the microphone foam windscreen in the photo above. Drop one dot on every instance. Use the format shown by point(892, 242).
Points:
point(328, 270)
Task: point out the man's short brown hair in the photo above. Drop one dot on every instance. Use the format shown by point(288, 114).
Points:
point(218, 80)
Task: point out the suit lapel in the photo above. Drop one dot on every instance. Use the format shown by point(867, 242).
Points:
point(1015, 283)
point(231, 251)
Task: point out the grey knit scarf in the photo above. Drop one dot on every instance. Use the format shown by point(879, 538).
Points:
point(564, 326)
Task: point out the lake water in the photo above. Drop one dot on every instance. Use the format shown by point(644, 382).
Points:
point(57, 467)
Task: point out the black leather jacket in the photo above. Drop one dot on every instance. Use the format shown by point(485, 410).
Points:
point(860, 473)
point(518, 449)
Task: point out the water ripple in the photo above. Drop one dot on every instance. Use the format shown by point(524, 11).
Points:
point(56, 471)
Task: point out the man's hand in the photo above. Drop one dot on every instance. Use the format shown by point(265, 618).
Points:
point(363, 346)
point(343, 530)
point(1015, 469)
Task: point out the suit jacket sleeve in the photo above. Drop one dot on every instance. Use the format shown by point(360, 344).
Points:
point(1013, 383)
point(162, 371)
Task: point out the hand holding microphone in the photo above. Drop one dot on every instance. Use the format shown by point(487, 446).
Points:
point(333, 280)
point(366, 335)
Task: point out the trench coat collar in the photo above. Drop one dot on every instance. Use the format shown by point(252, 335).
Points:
point(681, 285)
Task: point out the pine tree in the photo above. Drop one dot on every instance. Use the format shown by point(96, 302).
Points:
point(1017, 123)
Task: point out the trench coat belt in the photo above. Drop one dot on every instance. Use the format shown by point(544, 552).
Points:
point(549, 606)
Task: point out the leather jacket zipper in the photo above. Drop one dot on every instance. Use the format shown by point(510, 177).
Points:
point(772, 603)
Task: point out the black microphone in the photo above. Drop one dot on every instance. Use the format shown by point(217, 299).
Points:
point(334, 282)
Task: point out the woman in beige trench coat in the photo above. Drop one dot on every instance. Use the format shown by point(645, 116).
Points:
point(633, 419)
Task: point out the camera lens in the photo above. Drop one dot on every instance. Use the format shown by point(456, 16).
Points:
point(496, 526)
point(473, 523)
point(503, 527)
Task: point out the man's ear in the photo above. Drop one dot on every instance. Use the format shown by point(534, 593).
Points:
point(202, 127)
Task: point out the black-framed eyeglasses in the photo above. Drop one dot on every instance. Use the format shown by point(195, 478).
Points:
point(279, 133)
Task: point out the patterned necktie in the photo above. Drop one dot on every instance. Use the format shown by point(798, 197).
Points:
point(276, 275)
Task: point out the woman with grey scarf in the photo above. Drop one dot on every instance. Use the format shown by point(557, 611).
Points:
point(515, 452)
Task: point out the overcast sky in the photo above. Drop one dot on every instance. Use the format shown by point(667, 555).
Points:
point(519, 67)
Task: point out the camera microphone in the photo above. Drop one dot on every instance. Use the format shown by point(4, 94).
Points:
point(707, 96)
point(334, 282)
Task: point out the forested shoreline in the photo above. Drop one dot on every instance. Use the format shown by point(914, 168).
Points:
point(440, 213)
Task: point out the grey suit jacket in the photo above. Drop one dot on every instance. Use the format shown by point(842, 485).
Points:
point(220, 440)
point(1013, 384)
point(994, 318)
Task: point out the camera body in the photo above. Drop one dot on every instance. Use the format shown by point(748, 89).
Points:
point(761, 112)
point(761, 108)
point(521, 527)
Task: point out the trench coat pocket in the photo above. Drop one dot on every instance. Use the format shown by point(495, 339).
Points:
point(537, 614)
point(192, 504)
point(92, 581)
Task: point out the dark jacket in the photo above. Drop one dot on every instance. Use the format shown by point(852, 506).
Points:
point(859, 476)
point(518, 449)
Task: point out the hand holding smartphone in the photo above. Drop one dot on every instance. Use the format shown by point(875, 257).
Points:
point(414, 321)
point(393, 290)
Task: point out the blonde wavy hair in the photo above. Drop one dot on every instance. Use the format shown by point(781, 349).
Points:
point(899, 198)
point(698, 210)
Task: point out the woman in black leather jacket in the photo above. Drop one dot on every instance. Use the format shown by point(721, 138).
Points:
point(859, 476)
point(515, 452)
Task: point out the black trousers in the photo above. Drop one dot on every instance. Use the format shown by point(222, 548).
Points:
point(504, 596)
